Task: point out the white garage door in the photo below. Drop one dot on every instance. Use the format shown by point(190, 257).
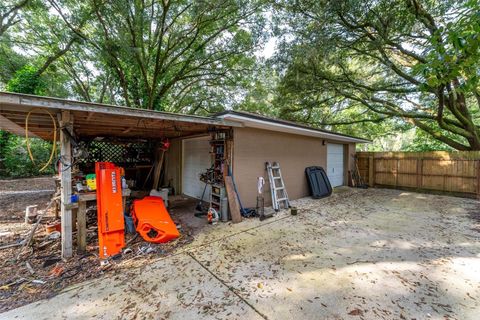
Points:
point(196, 159)
point(335, 164)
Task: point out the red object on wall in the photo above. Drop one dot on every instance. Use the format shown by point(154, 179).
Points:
point(152, 220)
point(111, 238)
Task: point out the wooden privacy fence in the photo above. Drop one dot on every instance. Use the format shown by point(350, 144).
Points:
point(452, 172)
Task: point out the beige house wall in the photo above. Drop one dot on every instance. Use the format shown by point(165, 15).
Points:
point(253, 147)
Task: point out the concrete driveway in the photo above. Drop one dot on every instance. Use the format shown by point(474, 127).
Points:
point(360, 254)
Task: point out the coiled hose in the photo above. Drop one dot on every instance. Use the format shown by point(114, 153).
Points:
point(54, 147)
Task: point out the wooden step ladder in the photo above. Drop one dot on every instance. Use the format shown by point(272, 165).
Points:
point(277, 186)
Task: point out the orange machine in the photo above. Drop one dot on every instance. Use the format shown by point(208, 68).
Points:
point(111, 238)
point(152, 220)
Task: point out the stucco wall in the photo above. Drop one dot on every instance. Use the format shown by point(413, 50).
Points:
point(253, 147)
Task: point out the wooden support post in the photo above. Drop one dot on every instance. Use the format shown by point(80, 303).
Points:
point(66, 185)
point(74, 219)
point(82, 226)
point(228, 160)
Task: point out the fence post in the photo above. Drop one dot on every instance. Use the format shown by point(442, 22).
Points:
point(371, 171)
point(419, 173)
point(396, 172)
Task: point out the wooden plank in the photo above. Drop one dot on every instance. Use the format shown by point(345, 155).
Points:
point(454, 172)
point(66, 186)
point(419, 172)
point(371, 171)
point(74, 219)
point(8, 125)
point(82, 226)
point(429, 175)
point(432, 155)
point(232, 200)
point(90, 196)
point(396, 172)
point(160, 153)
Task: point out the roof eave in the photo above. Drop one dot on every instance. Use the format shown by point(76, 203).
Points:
point(32, 101)
point(276, 126)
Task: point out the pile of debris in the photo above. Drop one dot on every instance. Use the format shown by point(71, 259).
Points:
point(32, 268)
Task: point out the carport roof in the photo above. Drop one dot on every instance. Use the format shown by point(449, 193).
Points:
point(99, 120)
point(102, 120)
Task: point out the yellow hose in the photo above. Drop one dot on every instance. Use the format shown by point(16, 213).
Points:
point(54, 139)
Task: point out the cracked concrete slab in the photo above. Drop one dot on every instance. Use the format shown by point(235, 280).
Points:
point(367, 254)
point(173, 288)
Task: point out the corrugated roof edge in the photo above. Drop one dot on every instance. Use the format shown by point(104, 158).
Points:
point(286, 122)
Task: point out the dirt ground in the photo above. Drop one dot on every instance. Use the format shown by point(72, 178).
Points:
point(16, 194)
point(39, 272)
point(359, 254)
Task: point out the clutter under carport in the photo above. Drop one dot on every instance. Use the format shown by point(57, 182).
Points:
point(116, 157)
point(110, 159)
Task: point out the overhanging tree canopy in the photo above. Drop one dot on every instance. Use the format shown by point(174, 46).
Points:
point(410, 59)
point(158, 54)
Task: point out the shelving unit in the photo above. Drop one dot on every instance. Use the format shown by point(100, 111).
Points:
point(217, 194)
point(219, 150)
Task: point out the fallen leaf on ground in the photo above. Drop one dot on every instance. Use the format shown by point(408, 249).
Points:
point(356, 312)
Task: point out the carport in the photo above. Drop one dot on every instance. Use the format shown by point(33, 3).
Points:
point(81, 122)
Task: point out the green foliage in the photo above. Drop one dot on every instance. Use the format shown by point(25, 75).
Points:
point(356, 62)
point(455, 52)
point(26, 80)
point(183, 56)
point(14, 158)
point(371, 68)
point(261, 91)
point(10, 62)
point(412, 139)
point(423, 142)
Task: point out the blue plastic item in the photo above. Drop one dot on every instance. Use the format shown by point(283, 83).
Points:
point(74, 198)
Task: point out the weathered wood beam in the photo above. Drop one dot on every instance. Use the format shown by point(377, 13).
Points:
point(12, 127)
point(89, 116)
point(15, 101)
point(66, 184)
